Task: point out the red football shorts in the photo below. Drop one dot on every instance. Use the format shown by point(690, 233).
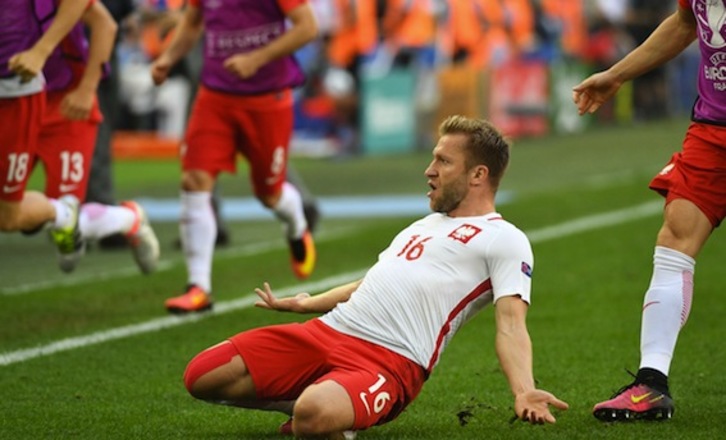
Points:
point(66, 149)
point(21, 120)
point(698, 172)
point(259, 127)
point(285, 359)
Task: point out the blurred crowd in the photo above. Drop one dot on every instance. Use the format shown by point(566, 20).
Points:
point(369, 38)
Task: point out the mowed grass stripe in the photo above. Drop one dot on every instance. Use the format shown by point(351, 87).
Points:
point(166, 264)
point(157, 324)
point(582, 224)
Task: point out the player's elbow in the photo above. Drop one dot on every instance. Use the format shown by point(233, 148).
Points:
point(99, 19)
point(309, 30)
point(111, 27)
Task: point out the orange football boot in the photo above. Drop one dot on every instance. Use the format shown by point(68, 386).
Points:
point(302, 255)
point(193, 300)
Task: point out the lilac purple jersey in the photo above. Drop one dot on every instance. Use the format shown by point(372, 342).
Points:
point(66, 63)
point(20, 28)
point(239, 26)
point(711, 29)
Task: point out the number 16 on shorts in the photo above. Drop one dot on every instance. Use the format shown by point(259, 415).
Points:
point(374, 396)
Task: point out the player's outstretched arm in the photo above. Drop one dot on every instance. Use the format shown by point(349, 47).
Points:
point(514, 350)
point(304, 302)
point(669, 39)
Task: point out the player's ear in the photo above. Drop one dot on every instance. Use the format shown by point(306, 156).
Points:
point(480, 172)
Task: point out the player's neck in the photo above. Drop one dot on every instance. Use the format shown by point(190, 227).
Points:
point(470, 208)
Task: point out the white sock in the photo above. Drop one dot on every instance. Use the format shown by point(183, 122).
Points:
point(198, 231)
point(63, 214)
point(289, 210)
point(666, 307)
point(98, 221)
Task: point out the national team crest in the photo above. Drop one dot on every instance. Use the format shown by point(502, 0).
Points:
point(465, 232)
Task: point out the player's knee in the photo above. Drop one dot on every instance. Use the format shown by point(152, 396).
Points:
point(268, 201)
point(194, 371)
point(219, 375)
point(200, 379)
point(310, 418)
point(197, 181)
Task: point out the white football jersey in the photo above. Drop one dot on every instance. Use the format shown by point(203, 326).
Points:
point(433, 277)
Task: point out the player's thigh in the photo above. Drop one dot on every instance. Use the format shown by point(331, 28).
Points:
point(211, 137)
point(265, 145)
point(282, 359)
point(374, 394)
point(66, 150)
point(18, 143)
point(694, 184)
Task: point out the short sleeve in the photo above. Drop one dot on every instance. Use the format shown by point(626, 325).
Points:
point(510, 264)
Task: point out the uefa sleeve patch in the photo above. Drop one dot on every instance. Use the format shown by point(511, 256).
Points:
point(526, 269)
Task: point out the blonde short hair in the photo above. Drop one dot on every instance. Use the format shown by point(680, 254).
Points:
point(486, 145)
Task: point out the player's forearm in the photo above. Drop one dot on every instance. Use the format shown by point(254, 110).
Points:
point(68, 14)
point(514, 350)
point(186, 34)
point(103, 30)
point(669, 39)
point(327, 300)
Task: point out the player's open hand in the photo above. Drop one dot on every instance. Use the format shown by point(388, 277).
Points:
point(289, 304)
point(590, 94)
point(534, 406)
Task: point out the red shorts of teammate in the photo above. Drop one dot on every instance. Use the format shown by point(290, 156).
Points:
point(259, 127)
point(66, 149)
point(285, 359)
point(22, 121)
point(698, 172)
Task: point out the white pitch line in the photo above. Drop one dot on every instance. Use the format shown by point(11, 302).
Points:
point(561, 230)
point(164, 265)
point(157, 324)
point(596, 221)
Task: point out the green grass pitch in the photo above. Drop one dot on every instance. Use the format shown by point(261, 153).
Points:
point(93, 355)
